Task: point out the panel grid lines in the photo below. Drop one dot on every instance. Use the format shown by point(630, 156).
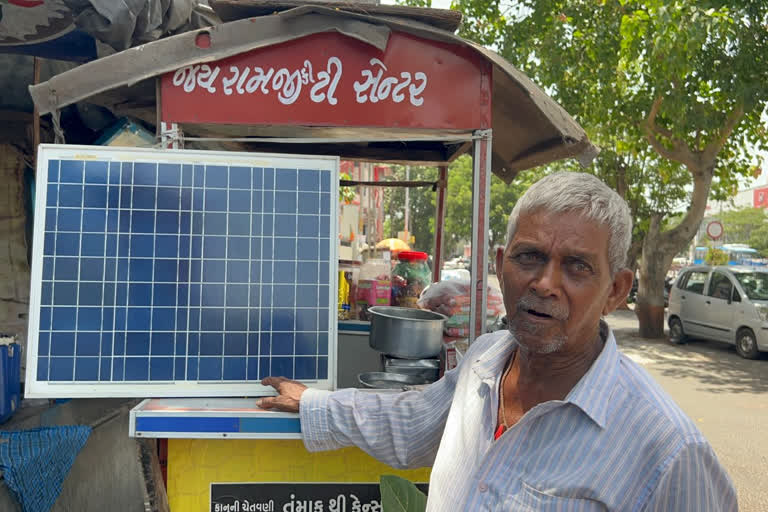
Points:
point(226, 275)
point(165, 272)
point(103, 292)
point(79, 271)
point(128, 271)
point(152, 290)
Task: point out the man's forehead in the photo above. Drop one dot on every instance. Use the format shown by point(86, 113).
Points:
point(570, 231)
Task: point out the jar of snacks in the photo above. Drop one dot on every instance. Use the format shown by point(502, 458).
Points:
point(409, 278)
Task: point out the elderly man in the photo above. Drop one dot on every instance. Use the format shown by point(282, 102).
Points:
point(547, 416)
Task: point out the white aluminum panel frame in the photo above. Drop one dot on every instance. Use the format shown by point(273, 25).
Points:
point(140, 389)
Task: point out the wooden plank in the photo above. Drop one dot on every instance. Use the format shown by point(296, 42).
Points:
point(155, 494)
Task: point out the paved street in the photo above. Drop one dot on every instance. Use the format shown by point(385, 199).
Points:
point(727, 397)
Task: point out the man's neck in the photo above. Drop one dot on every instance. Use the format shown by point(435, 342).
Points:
point(538, 378)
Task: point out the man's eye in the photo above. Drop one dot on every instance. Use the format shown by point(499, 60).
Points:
point(528, 257)
point(581, 267)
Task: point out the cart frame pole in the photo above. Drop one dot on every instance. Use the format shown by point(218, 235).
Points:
point(442, 185)
point(481, 197)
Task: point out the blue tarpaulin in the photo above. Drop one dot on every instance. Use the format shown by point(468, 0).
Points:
point(36, 462)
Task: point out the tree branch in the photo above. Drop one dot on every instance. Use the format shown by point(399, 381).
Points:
point(652, 119)
point(713, 148)
point(702, 183)
point(684, 232)
point(680, 152)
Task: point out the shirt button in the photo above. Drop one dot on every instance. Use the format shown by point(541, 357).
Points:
point(482, 487)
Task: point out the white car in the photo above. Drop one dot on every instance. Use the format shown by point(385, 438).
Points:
point(727, 304)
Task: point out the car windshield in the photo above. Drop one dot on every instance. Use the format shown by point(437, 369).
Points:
point(755, 284)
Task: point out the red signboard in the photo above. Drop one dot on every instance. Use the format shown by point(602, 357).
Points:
point(330, 79)
point(760, 197)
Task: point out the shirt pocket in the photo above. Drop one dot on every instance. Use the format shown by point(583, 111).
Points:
point(529, 499)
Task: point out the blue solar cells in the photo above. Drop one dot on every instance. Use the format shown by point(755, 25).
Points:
point(71, 171)
point(162, 272)
point(61, 368)
point(162, 343)
point(285, 202)
point(143, 198)
point(309, 203)
point(282, 366)
point(93, 220)
point(169, 174)
point(161, 368)
point(210, 368)
point(285, 179)
point(95, 196)
point(235, 344)
point(96, 172)
point(306, 368)
point(144, 174)
point(234, 368)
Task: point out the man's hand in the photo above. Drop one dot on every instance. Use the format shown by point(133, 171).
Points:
point(289, 394)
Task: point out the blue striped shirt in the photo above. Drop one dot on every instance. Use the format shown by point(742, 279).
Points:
point(616, 442)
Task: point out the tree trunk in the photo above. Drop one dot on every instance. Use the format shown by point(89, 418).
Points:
point(650, 290)
point(632, 256)
point(660, 248)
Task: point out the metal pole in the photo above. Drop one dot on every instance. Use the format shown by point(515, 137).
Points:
point(442, 184)
point(35, 113)
point(407, 205)
point(481, 195)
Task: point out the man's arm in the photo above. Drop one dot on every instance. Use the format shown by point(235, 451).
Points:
point(399, 429)
point(694, 481)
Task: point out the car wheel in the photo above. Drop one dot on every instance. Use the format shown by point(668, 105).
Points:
point(746, 344)
point(676, 333)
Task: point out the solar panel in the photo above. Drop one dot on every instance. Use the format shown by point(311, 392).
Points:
point(180, 273)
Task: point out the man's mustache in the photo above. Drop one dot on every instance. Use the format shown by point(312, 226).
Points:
point(530, 302)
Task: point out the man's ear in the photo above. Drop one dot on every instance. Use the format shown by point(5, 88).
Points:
point(622, 283)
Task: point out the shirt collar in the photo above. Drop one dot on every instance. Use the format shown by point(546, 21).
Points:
point(490, 364)
point(593, 391)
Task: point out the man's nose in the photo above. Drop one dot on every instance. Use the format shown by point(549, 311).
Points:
point(548, 281)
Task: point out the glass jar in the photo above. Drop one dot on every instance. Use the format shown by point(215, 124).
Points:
point(409, 278)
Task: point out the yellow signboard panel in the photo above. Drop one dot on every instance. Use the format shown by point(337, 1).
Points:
point(193, 464)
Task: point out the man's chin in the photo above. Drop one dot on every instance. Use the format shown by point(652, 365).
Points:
point(538, 343)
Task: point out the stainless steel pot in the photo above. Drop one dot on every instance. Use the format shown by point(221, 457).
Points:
point(384, 380)
point(406, 333)
point(427, 369)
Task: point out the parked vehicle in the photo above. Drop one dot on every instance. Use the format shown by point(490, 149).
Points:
point(725, 303)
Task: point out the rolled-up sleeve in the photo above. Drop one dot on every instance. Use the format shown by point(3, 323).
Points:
point(399, 429)
point(694, 481)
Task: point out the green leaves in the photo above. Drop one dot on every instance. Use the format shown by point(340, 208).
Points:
point(400, 495)
point(716, 257)
point(422, 207)
point(607, 61)
point(458, 213)
point(739, 226)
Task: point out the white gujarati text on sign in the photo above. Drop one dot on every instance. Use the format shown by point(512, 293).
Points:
point(375, 83)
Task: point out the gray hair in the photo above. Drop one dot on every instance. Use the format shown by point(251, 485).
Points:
point(584, 194)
